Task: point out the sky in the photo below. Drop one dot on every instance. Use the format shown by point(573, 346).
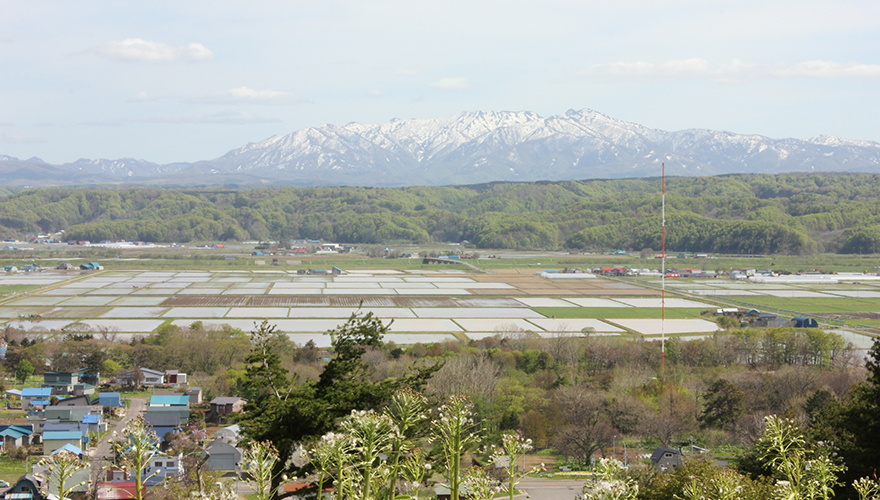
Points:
point(169, 81)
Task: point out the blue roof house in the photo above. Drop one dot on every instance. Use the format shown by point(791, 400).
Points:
point(31, 394)
point(57, 439)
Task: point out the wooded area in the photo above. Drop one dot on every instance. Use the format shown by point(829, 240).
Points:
point(739, 214)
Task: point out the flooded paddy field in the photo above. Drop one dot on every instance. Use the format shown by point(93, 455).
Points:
point(417, 305)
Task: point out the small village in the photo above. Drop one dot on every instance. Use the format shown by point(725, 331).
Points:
point(68, 413)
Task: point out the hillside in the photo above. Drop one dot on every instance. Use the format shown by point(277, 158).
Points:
point(787, 214)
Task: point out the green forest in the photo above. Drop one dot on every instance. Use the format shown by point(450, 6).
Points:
point(795, 214)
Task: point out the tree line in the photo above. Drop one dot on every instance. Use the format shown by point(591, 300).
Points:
point(757, 213)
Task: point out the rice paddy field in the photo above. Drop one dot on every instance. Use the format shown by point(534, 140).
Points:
point(419, 305)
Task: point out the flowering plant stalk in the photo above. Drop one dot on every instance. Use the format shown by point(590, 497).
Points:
point(60, 469)
point(415, 470)
point(135, 449)
point(259, 461)
point(407, 410)
point(372, 434)
point(452, 431)
point(513, 448)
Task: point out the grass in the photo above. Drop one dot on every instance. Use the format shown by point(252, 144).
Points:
point(618, 312)
point(10, 289)
point(816, 305)
point(11, 470)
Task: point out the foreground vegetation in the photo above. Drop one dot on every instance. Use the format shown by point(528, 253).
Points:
point(744, 214)
point(577, 398)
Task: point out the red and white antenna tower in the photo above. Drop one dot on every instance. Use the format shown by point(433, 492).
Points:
point(663, 270)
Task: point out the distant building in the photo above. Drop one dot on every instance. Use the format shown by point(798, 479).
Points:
point(667, 459)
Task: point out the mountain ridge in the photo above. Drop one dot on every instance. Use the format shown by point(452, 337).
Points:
point(471, 147)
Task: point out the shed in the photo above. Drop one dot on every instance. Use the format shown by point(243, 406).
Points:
point(13, 394)
point(195, 395)
point(229, 434)
point(109, 399)
point(804, 322)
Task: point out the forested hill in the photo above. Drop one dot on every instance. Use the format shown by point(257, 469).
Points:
point(791, 214)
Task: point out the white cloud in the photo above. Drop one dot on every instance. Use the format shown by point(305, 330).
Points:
point(142, 97)
point(701, 69)
point(223, 118)
point(245, 95)
point(5, 39)
point(138, 50)
point(18, 139)
point(410, 71)
point(457, 83)
point(374, 93)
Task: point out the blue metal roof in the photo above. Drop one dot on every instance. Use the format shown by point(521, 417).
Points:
point(68, 447)
point(62, 435)
point(181, 400)
point(14, 434)
point(36, 392)
point(91, 419)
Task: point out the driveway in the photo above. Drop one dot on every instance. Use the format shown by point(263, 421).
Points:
point(551, 489)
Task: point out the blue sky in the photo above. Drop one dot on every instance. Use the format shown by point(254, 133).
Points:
point(186, 81)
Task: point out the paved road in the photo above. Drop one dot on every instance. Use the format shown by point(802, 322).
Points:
point(103, 449)
point(551, 489)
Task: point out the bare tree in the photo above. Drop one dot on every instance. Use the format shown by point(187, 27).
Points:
point(588, 428)
point(474, 375)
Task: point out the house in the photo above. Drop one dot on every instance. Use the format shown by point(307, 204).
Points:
point(31, 394)
point(666, 459)
point(54, 440)
point(91, 376)
point(79, 427)
point(174, 377)
point(222, 406)
point(65, 266)
point(141, 376)
point(195, 395)
point(163, 423)
point(91, 266)
point(164, 466)
point(17, 435)
point(61, 382)
point(182, 411)
point(222, 456)
point(84, 400)
point(81, 416)
point(27, 487)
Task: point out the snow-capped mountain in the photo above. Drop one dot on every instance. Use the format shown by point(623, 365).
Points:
point(481, 146)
